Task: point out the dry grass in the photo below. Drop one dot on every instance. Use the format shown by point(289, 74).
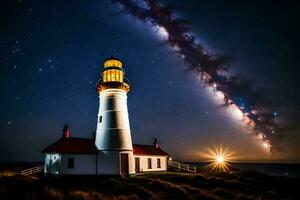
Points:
point(8, 173)
point(234, 185)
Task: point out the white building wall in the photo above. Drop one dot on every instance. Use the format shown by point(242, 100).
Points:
point(83, 164)
point(106, 163)
point(144, 163)
point(109, 162)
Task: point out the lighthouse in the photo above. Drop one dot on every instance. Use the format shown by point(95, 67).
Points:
point(113, 136)
point(110, 151)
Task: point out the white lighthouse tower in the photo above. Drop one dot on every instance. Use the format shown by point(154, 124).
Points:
point(113, 137)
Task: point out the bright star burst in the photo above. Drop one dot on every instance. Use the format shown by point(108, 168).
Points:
point(219, 158)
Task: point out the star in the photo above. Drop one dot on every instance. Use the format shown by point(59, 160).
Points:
point(40, 69)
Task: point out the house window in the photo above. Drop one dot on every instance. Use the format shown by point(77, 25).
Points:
point(100, 119)
point(158, 163)
point(70, 162)
point(149, 163)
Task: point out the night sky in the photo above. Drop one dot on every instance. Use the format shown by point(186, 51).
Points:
point(51, 55)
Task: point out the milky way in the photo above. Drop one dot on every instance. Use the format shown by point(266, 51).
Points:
point(237, 93)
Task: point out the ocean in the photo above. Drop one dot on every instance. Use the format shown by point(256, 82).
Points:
point(277, 169)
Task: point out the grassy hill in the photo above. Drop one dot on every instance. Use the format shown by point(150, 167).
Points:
point(170, 185)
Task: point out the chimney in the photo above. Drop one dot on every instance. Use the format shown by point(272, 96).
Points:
point(156, 144)
point(66, 132)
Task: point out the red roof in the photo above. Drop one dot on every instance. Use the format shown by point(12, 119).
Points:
point(139, 149)
point(75, 145)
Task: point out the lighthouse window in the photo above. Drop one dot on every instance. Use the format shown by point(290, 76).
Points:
point(113, 75)
point(117, 75)
point(108, 75)
point(70, 162)
point(121, 76)
point(104, 76)
point(100, 119)
point(149, 163)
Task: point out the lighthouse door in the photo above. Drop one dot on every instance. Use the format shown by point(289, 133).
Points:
point(137, 165)
point(124, 164)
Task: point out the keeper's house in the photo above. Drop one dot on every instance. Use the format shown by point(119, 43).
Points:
point(72, 155)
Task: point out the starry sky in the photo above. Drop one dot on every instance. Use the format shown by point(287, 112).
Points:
point(51, 55)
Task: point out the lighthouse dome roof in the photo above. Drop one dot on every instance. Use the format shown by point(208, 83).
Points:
point(113, 61)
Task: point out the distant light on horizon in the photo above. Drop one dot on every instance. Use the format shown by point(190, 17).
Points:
point(219, 158)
